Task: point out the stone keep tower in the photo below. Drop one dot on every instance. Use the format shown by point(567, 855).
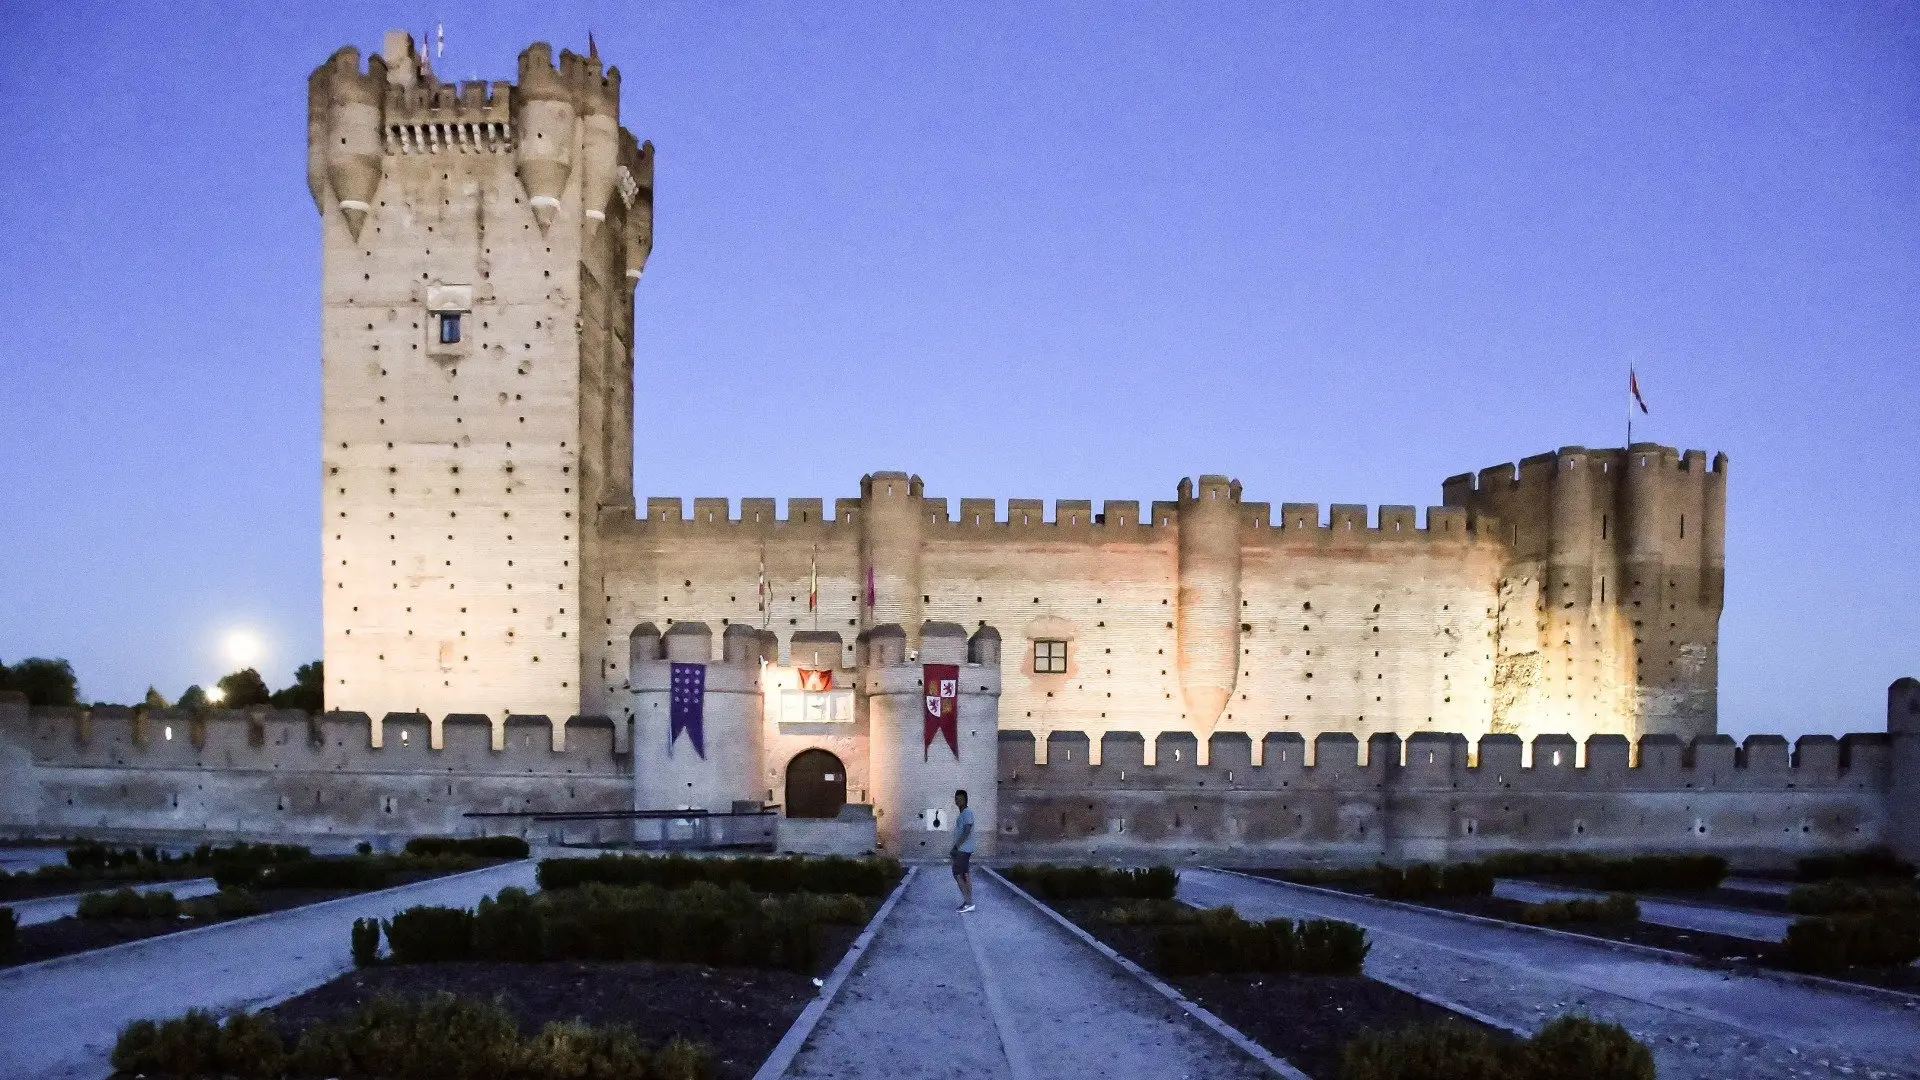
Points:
point(480, 248)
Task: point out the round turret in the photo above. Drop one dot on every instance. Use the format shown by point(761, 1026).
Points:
point(599, 142)
point(1570, 544)
point(1209, 612)
point(892, 518)
point(354, 120)
point(543, 129)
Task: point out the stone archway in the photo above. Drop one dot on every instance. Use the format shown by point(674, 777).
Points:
point(816, 785)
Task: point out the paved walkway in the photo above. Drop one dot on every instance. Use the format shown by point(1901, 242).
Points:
point(63, 1015)
point(1700, 1023)
point(1002, 993)
point(1764, 926)
point(48, 908)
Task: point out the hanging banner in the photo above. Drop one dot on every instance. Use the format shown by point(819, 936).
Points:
point(816, 680)
point(687, 710)
point(941, 714)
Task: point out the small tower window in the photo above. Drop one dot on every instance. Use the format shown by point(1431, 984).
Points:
point(1050, 657)
point(449, 328)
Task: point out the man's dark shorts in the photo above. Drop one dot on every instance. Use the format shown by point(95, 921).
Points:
point(962, 863)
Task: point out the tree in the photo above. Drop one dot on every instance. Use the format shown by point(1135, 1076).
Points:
point(155, 699)
point(193, 698)
point(45, 682)
point(307, 691)
point(243, 689)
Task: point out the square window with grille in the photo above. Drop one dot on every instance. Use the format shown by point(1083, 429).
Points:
point(1050, 657)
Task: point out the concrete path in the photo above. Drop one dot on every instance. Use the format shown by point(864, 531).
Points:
point(1760, 926)
point(62, 1015)
point(1003, 993)
point(1700, 1023)
point(48, 908)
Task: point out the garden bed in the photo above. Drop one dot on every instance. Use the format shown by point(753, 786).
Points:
point(1739, 953)
point(1306, 1019)
point(69, 935)
point(740, 1013)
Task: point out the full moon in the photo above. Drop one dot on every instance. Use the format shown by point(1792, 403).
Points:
point(242, 648)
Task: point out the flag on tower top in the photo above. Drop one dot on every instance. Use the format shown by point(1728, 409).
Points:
point(1633, 387)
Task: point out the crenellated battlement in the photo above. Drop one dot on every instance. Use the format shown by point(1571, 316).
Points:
point(1294, 523)
point(254, 739)
point(1497, 761)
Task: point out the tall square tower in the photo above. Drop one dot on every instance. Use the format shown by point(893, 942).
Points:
point(480, 248)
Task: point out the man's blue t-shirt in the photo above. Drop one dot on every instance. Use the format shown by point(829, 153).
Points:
point(964, 823)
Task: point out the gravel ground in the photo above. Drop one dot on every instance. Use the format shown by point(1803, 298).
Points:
point(1700, 1024)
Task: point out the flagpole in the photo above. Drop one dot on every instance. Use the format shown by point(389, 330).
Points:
point(1629, 405)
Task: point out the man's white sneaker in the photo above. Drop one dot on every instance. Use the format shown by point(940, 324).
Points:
point(966, 908)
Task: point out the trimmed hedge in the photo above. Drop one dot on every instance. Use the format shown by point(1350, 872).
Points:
point(437, 1038)
point(431, 935)
point(1844, 896)
point(1569, 1048)
point(1423, 881)
point(701, 923)
point(480, 847)
point(366, 942)
point(834, 874)
point(9, 933)
point(1865, 939)
point(1633, 874)
point(1616, 907)
point(1873, 862)
point(1219, 941)
point(225, 904)
point(1056, 884)
point(127, 904)
point(358, 872)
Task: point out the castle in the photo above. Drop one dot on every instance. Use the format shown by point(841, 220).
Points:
point(486, 564)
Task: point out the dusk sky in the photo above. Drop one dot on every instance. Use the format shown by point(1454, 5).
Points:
point(1338, 251)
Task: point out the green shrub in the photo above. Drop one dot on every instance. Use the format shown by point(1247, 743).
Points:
point(431, 935)
point(701, 923)
point(1873, 862)
point(834, 874)
point(482, 847)
point(1445, 1051)
point(9, 934)
point(225, 904)
point(1866, 939)
point(1615, 907)
point(128, 904)
point(1569, 1048)
point(1148, 913)
point(197, 1045)
point(507, 927)
point(1424, 882)
point(1576, 1048)
point(366, 942)
point(1330, 947)
point(1219, 941)
point(352, 872)
point(448, 1038)
point(1837, 897)
point(1057, 884)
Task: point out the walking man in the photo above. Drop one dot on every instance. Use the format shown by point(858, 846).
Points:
point(962, 853)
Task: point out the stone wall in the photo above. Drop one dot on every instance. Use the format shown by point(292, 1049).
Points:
point(1334, 800)
point(271, 774)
